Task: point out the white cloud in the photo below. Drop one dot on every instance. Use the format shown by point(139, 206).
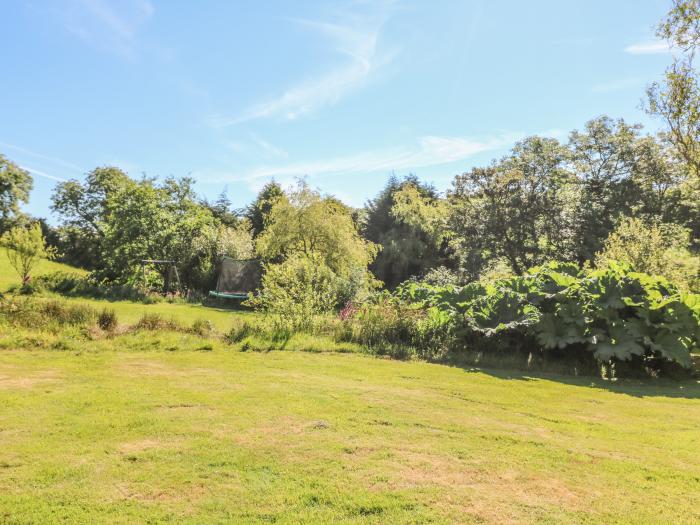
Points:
point(355, 39)
point(429, 151)
point(53, 160)
point(106, 24)
point(648, 48)
point(268, 147)
point(42, 174)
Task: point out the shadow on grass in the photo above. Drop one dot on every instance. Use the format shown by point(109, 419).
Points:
point(651, 387)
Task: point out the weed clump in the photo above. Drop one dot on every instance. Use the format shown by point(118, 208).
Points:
point(151, 321)
point(202, 327)
point(107, 320)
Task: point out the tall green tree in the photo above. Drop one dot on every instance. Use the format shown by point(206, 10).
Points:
point(653, 248)
point(15, 185)
point(604, 157)
point(146, 220)
point(311, 238)
point(222, 209)
point(407, 248)
point(257, 212)
point(676, 100)
point(667, 191)
point(318, 227)
point(518, 209)
point(82, 207)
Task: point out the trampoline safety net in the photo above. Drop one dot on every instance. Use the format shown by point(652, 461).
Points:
point(239, 276)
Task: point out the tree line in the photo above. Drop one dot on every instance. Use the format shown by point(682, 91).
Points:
point(609, 191)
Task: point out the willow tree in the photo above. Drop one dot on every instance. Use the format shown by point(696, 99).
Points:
point(311, 247)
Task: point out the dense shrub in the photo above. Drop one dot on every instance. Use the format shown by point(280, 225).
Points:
point(30, 312)
point(297, 291)
point(202, 327)
point(72, 284)
point(656, 249)
point(625, 321)
point(389, 325)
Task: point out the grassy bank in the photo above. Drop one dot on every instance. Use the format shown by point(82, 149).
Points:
point(124, 431)
point(9, 278)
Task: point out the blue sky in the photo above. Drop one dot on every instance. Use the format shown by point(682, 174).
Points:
point(234, 93)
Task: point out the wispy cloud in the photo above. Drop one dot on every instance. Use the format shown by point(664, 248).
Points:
point(53, 160)
point(106, 24)
point(648, 48)
point(268, 147)
point(355, 39)
point(617, 85)
point(428, 151)
point(43, 174)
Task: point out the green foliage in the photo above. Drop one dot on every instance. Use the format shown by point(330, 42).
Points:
point(149, 221)
point(25, 248)
point(83, 209)
point(604, 158)
point(156, 321)
point(657, 249)
point(37, 314)
point(407, 220)
point(611, 315)
point(677, 100)
point(76, 285)
point(202, 327)
point(215, 241)
point(258, 211)
point(303, 222)
point(518, 209)
point(315, 258)
point(15, 185)
point(297, 291)
point(112, 222)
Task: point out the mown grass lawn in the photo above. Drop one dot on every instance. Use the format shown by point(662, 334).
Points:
point(116, 433)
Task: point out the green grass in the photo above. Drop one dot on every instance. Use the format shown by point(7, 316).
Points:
point(9, 277)
point(127, 311)
point(167, 427)
point(130, 312)
point(164, 426)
